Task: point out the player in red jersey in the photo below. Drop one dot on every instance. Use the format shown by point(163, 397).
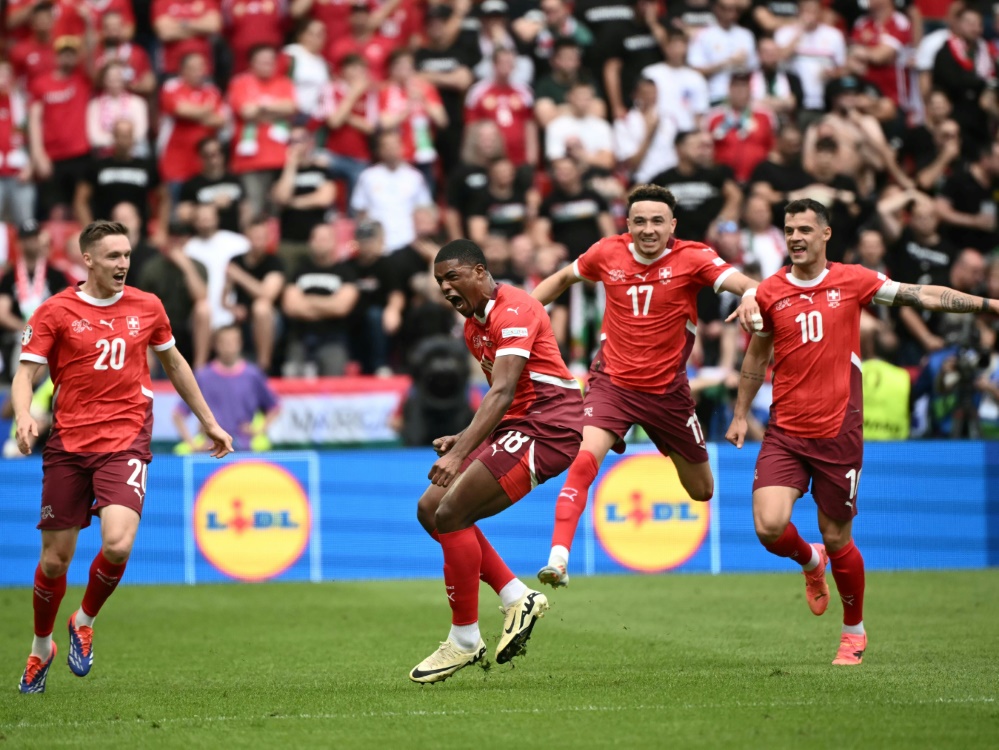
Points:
point(525, 432)
point(811, 324)
point(93, 338)
point(639, 375)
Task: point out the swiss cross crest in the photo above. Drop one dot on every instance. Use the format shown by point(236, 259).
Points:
point(665, 274)
point(132, 321)
point(617, 274)
point(833, 297)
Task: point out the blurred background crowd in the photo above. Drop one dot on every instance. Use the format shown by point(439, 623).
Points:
point(289, 168)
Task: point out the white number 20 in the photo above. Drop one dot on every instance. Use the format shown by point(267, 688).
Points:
point(138, 479)
point(112, 353)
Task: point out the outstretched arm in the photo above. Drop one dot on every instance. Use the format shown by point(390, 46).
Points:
point(551, 288)
point(754, 372)
point(940, 299)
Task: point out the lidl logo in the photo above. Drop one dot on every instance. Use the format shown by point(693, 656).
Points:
point(252, 520)
point(644, 518)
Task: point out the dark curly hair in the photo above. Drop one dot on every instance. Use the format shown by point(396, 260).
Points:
point(651, 193)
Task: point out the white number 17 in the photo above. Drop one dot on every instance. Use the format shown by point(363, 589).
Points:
point(634, 291)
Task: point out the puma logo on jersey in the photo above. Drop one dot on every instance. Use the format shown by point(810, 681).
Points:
point(808, 297)
point(109, 325)
point(514, 310)
point(642, 276)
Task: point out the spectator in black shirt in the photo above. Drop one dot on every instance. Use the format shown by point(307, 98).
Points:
point(551, 91)
point(839, 194)
point(257, 277)
point(118, 178)
point(572, 215)
point(602, 18)
point(628, 49)
point(505, 207)
point(143, 250)
point(921, 144)
point(967, 203)
point(541, 30)
point(781, 174)
point(214, 185)
point(483, 143)
point(705, 192)
point(378, 315)
point(305, 194)
point(690, 16)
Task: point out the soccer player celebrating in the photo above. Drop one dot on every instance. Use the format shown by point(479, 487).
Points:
point(93, 338)
point(639, 376)
point(525, 432)
point(811, 324)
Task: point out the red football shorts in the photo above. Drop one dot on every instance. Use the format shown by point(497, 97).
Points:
point(76, 486)
point(831, 464)
point(523, 455)
point(668, 418)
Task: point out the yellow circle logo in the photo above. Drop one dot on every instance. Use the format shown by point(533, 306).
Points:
point(252, 520)
point(644, 518)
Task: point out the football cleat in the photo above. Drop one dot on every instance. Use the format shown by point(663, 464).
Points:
point(445, 661)
point(554, 575)
point(518, 622)
point(33, 679)
point(851, 649)
point(81, 648)
point(816, 588)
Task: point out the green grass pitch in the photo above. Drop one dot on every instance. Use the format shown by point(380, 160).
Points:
point(629, 662)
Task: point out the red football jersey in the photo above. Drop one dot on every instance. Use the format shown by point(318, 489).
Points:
point(651, 314)
point(416, 130)
point(264, 145)
point(177, 142)
point(32, 59)
point(346, 140)
point(516, 324)
point(896, 32)
point(64, 113)
point(184, 10)
point(132, 56)
point(816, 329)
point(96, 354)
point(510, 106)
point(252, 22)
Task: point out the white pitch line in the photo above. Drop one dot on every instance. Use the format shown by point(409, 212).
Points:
point(190, 720)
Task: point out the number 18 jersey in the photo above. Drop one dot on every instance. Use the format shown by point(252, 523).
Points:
point(96, 353)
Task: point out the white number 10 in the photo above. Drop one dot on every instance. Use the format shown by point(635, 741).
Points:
point(854, 476)
point(811, 326)
point(634, 291)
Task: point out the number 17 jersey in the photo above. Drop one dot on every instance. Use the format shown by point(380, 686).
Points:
point(96, 353)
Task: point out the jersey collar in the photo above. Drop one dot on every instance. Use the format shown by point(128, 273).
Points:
point(489, 306)
point(646, 261)
point(810, 282)
point(99, 302)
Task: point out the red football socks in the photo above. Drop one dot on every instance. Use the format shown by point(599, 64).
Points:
point(572, 499)
point(104, 578)
point(492, 570)
point(462, 562)
point(790, 544)
point(47, 597)
point(848, 571)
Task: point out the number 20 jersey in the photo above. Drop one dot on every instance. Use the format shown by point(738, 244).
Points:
point(96, 353)
point(815, 326)
point(651, 315)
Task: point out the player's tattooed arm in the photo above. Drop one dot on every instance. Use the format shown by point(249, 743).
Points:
point(941, 299)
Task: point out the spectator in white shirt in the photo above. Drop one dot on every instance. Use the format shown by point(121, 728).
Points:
point(308, 69)
point(682, 91)
point(580, 135)
point(214, 248)
point(761, 241)
point(718, 50)
point(815, 51)
point(644, 138)
point(390, 191)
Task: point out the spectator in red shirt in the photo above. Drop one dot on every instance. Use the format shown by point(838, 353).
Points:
point(33, 55)
point(509, 105)
point(879, 41)
point(57, 127)
point(361, 39)
point(249, 23)
point(185, 26)
point(412, 104)
point(348, 117)
point(191, 109)
point(263, 104)
point(743, 133)
point(17, 191)
point(115, 45)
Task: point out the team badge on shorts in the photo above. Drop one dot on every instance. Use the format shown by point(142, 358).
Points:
point(26, 335)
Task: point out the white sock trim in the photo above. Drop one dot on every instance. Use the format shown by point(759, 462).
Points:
point(558, 556)
point(813, 562)
point(82, 618)
point(466, 637)
point(512, 592)
point(857, 629)
point(41, 647)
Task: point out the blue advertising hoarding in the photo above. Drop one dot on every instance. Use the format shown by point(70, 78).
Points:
point(351, 515)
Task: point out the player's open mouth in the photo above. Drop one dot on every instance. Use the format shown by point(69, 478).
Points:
point(119, 277)
point(455, 300)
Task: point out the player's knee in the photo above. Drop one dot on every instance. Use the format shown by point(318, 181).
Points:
point(835, 539)
point(768, 530)
point(702, 491)
point(448, 518)
point(117, 551)
point(425, 512)
point(55, 562)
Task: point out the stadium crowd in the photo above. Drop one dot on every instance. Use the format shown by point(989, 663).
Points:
point(291, 167)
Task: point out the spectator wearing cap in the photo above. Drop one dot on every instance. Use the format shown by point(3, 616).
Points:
point(216, 186)
point(628, 48)
point(494, 34)
point(251, 23)
point(318, 302)
point(643, 139)
point(362, 39)
point(191, 110)
point(541, 30)
point(17, 191)
point(183, 27)
point(566, 69)
point(719, 50)
point(57, 127)
point(115, 44)
point(447, 62)
point(303, 194)
point(263, 104)
point(743, 133)
point(579, 135)
point(25, 286)
point(256, 279)
point(815, 52)
point(34, 55)
point(348, 117)
point(509, 105)
point(682, 92)
point(306, 65)
point(412, 104)
point(382, 299)
point(115, 103)
point(390, 191)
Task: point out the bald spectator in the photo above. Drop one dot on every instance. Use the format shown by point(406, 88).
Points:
point(183, 27)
